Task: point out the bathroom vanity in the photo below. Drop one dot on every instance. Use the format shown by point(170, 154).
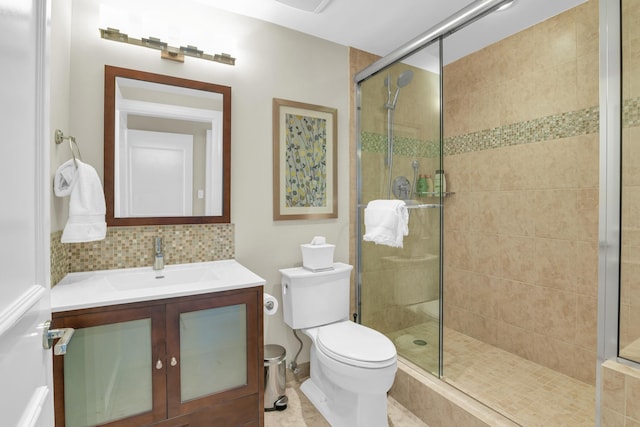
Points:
point(182, 350)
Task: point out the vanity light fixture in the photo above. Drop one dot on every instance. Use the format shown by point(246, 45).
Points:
point(166, 51)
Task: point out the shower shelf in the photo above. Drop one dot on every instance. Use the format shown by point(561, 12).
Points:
point(434, 194)
point(411, 204)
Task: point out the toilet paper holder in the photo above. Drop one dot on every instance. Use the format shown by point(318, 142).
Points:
point(270, 304)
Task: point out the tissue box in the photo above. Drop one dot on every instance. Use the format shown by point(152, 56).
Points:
point(317, 257)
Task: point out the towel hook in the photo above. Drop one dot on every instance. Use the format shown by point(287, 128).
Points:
point(59, 139)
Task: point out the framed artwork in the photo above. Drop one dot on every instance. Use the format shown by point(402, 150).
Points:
point(305, 184)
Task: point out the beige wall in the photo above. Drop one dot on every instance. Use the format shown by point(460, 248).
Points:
point(521, 233)
point(271, 62)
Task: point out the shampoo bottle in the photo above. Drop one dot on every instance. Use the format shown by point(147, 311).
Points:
point(440, 185)
point(422, 186)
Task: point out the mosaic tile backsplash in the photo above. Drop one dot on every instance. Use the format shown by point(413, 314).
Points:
point(128, 247)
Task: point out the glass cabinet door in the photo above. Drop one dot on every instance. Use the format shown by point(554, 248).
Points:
point(108, 368)
point(209, 344)
point(213, 349)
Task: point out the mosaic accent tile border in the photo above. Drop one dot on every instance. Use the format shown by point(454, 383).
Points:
point(557, 126)
point(376, 143)
point(128, 247)
point(631, 113)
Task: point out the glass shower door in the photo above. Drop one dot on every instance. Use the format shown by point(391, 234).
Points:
point(399, 150)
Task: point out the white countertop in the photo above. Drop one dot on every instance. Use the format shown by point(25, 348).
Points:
point(110, 287)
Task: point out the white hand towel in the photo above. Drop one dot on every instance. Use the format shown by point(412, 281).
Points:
point(386, 222)
point(87, 208)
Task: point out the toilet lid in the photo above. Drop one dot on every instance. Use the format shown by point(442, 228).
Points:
point(357, 345)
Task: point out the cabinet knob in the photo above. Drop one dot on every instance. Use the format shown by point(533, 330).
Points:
point(174, 362)
point(159, 364)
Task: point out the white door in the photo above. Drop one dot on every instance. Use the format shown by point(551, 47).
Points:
point(25, 367)
point(158, 174)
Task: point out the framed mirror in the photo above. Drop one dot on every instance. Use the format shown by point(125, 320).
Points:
point(167, 149)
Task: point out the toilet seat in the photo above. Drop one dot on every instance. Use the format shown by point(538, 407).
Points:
point(356, 345)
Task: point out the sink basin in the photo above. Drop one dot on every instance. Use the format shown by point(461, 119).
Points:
point(167, 277)
point(109, 287)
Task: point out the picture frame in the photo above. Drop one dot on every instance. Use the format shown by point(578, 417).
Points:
point(305, 184)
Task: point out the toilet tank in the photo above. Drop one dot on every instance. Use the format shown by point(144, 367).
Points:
point(312, 299)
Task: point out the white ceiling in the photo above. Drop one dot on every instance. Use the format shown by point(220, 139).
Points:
point(381, 26)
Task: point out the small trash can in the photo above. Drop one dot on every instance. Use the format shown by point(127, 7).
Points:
point(275, 378)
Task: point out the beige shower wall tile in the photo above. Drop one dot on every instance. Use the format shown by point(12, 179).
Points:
point(555, 262)
point(485, 169)
point(515, 340)
point(631, 156)
point(451, 114)
point(484, 253)
point(517, 171)
point(457, 173)
point(556, 162)
point(632, 397)
point(555, 214)
point(459, 216)
point(473, 292)
point(611, 418)
point(479, 327)
point(378, 291)
point(588, 215)
point(587, 268)
point(552, 353)
point(556, 314)
point(626, 337)
point(630, 205)
point(613, 390)
point(587, 19)
point(587, 154)
point(584, 365)
point(456, 291)
point(587, 77)
point(516, 210)
point(484, 212)
point(515, 303)
point(541, 46)
point(587, 322)
point(532, 94)
point(456, 250)
point(517, 255)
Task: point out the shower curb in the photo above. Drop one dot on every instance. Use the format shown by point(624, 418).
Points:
point(438, 404)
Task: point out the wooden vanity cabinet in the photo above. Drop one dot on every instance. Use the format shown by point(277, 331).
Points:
point(188, 361)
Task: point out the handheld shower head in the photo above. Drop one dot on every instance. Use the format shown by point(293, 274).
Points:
point(405, 78)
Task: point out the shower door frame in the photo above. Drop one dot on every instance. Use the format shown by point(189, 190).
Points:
point(436, 34)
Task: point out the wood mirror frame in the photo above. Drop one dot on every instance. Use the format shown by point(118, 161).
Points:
point(110, 75)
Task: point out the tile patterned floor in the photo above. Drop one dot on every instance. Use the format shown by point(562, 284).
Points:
point(530, 394)
point(300, 412)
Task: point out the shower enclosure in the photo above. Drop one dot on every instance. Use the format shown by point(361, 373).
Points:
point(494, 290)
point(399, 143)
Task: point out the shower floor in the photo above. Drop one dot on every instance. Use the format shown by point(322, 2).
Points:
point(528, 393)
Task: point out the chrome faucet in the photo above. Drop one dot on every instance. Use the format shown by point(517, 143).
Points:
point(158, 263)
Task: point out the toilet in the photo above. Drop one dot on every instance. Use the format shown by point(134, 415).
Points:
point(352, 366)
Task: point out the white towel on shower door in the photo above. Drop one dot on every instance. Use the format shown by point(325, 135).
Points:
point(87, 208)
point(386, 222)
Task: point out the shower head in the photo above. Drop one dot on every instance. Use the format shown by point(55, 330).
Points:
point(405, 78)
